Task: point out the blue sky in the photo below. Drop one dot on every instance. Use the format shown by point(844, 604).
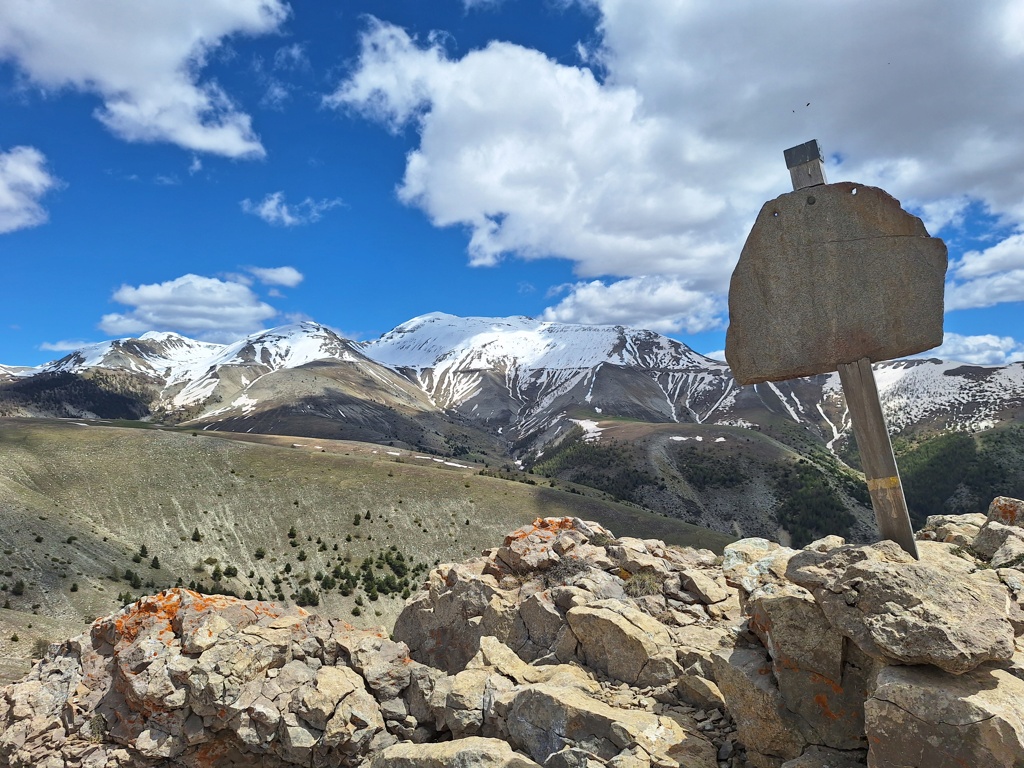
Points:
point(214, 167)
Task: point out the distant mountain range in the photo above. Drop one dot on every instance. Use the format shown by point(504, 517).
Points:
point(507, 384)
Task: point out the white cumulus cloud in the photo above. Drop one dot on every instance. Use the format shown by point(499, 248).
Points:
point(24, 180)
point(985, 349)
point(988, 277)
point(200, 307)
point(64, 345)
point(144, 60)
point(658, 164)
point(286, 276)
point(660, 304)
point(539, 159)
point(274, 210)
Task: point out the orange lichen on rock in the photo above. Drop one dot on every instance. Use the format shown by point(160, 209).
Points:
point(163, 607)
point(822, 701)
point(1006, 510)
point(542, 527)
point(822, 680)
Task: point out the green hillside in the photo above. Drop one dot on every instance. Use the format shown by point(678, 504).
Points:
point(86, 509)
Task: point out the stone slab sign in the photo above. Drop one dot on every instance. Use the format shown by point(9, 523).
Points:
point(829, 275)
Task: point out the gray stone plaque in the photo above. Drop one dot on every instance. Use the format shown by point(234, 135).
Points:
point(829, 275)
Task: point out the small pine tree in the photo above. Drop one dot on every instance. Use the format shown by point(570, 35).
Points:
point(260, 553)
point(292, 533)
point(217, 574)
point(155, 563)
point(196, 535)
point(74, 586)
point(143, 552)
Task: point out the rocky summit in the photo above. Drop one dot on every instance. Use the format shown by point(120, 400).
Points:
point(568, 647)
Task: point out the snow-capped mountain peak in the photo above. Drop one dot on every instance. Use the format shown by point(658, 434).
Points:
point(439, 339)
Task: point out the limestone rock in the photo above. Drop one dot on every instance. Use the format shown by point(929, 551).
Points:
point(471, 752)
point(498, 657)
point(819, 679)
point(908, 612)
point(185, 677)
point(545, 719)
point(556, 661)
point(826, 543)
point(696, 645)
point(543, 543)
point(443, 624)
point(465, 702)
point(822, 757)
point(623, 642)
point(763, 722)
point(1010, 554)
point(960, 530)
point(384, 664)
point(920, 717)
point(1006, 510)
point(749, 563)
point(632, 556)
point(700, 692)
point(994, 535)
point(709, 589)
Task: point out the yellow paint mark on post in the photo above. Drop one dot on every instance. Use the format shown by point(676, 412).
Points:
point(883, 483)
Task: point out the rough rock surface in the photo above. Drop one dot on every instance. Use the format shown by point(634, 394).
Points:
point(908, 611)
point(765, 658)
point(919, 716)
point(471, 752)
point(624, 643)
point(198, 680)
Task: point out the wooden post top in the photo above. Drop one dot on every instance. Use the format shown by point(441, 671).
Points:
point(806, 165)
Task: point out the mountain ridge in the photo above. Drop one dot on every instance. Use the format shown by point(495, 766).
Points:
point(518, 379)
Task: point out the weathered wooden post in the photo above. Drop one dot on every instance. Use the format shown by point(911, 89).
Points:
point(836, 277)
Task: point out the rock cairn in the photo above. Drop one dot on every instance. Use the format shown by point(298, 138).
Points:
point(569, 648)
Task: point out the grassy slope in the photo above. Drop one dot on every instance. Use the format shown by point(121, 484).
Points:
point(114, 489)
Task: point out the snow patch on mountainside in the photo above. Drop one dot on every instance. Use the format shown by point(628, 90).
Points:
point(537, 364)
point(432, 340)
point(968, 396)
point(591, 431)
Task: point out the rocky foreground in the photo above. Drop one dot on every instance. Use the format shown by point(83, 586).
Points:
point(569, 648)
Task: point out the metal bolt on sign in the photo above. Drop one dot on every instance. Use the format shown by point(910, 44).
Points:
point(834, 277)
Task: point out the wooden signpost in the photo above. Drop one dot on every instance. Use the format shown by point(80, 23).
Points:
point(836, 277)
